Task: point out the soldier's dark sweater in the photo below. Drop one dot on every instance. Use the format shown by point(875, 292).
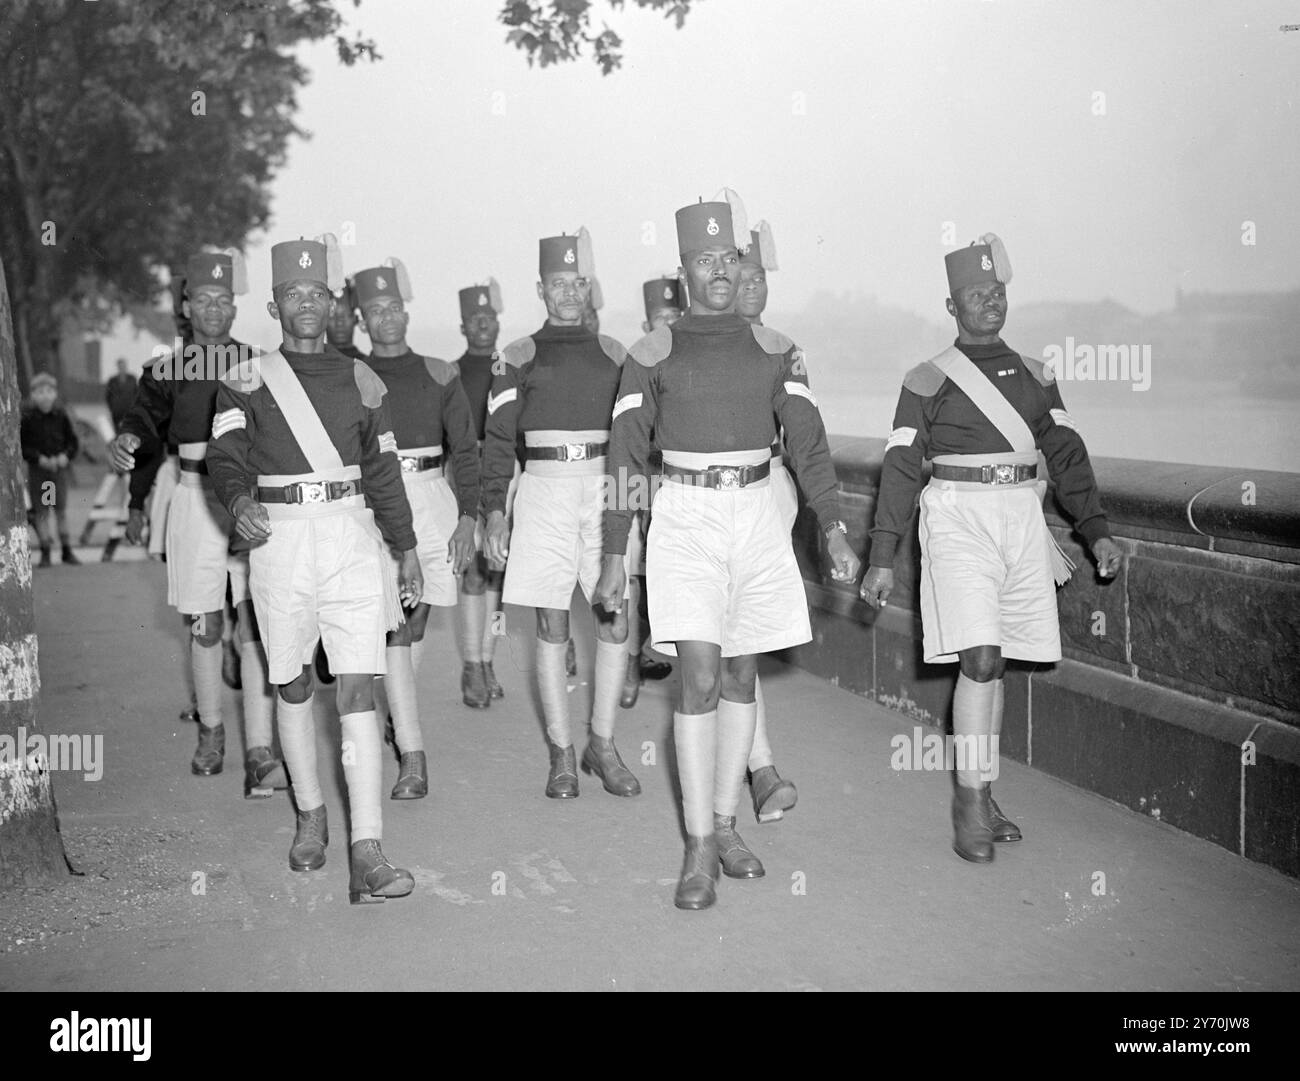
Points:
point(558, 378)
point(713, 384)
point(428, 406)
point(251, 437)
point(476, 377)
point(934, 416)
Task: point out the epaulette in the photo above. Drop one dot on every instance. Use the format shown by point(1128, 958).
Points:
point(924, 380)
point(613, 348)
point(653, 348)
point(1040, 370)
point(440, 371)
point(520, 352)
point(771, 341)
point(246, 376)
point(371, 386)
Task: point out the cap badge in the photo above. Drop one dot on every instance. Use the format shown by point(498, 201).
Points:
point(668, 292)
point(305, 261)
point(482, 299)
point(380, 283)
point(986, 263)
point(712, 228)
point(216, 271)
point(569, 256)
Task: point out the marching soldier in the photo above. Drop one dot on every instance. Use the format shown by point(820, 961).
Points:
point(342, 326)
point(772, 794)
point(722, 575)
point(557, 387)
point(176, 400)
point(307, 430)
point(427, 406)
point(480, 587)
point(989, 565)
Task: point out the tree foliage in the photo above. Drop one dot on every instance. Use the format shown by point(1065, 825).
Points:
point(557, 31)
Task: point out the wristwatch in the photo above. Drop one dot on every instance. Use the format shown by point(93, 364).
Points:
point(837, 524)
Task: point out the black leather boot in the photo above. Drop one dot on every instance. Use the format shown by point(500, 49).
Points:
point(697, 887)
point(211, 751)
point(495, 690)
point(263, 773)
point(373, 877)
point(412, 777)
point(562, 781)
point(309, 840)
point(734, 855)
point(1003, 828)
point(773, 795)
point(972, 831)
point(473, 686)
point(602, 759)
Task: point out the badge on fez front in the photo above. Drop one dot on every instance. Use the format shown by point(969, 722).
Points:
point(216, 271)
point(305, 261)
point(668, 292)
point(569, 255)
point(986, 263)
point(712, 228)
point(482, 299)
point(380, 283)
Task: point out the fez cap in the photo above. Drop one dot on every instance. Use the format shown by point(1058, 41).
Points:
point(224, 269)
point(762, 248)
point(983, 261)
point(316, 260)
point(661, 293)
point(480, 298)
point(716, 224)
point(389, 279)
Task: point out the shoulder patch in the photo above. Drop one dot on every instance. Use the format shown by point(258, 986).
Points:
point(653, 348)
point(1040, 370)
point(520, 352)
point(246, 376)
point(613, 348)
point(371, 386)
point(440, 371)
point(924, 380)
point(771, 341)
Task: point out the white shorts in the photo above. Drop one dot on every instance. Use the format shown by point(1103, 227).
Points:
point(787, 496)
point(322, 578)
point(164, 487)
point(435, 513)
point(557, 541)
point(237, 567)
point(720, 568)
point(986, 573)
point(198, 547)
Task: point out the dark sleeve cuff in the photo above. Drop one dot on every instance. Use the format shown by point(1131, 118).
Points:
point(617, 526)
point(827, 512)
point(1094, 529)
point(883, 547)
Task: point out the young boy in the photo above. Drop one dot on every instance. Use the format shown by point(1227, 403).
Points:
point(49, 443)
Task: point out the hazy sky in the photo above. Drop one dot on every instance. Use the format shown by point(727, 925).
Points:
point(857, 129)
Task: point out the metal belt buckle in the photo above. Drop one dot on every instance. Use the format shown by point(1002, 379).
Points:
point(410, 465)
point(315, 491)
point(728, 478)
point(576, 452)
point(1004, 474)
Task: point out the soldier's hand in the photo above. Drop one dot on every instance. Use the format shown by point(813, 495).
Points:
point(460, 549)
point(45, 462)
point(121, 452)
point(498, 537)
point(1108, 556)
point(877, 586)
point(61, 461)
point(410, 579)
point(844, 563)
point(251, 520)
point(612, 584)
point(135, 522)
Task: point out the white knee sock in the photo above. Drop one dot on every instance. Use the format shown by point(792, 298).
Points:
point(695, 736)
point(363, 773)
point(611, 667)
point(761, 755)
point(553, 683)
point(399, 683)
point(735, 738)
point(972, 716)
point(298, 743)
point(257, 696)
point(417, 655)
point(492, 609)
point(187, 671)
point(999, 696)
point(470, 618)
point(206, 663)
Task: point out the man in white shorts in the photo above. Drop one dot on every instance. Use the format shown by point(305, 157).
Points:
point(989, 565)
point(428, 407)
point(724, 584)
point(557, 388)
point(306, 429)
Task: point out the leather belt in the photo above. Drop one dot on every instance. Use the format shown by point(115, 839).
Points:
point(194, 465)
point(310, 491)
point(419, 463)
point(1003, 473)
point(567, 452)
point(726, 477)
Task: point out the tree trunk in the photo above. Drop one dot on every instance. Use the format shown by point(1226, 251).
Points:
point(31, 848)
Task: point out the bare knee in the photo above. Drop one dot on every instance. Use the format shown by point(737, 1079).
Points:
point(611, 628)
point(206, 628)
point(700, 689)
point(417, 621)
point(356, 694)
point(552, 625)
point(738, 678)
point(300, 689)
point(982, 663)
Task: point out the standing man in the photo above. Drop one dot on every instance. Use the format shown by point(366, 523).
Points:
point(119, 393)
point(176, 402)
point(724, 584)
point(557, 388)
point(480, 587)
point(772, 794)
point(343, 321)
point(427, 407)
point(989, 565)
point(307, 430)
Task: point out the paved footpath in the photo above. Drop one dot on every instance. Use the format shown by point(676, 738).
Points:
point(185, 885)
